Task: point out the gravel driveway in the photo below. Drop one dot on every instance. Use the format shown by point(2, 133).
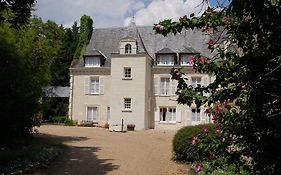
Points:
point(96, 151)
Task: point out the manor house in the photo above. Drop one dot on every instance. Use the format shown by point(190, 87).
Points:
point(125, 75)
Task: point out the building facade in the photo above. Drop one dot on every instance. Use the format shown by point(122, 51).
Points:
point(125, 77)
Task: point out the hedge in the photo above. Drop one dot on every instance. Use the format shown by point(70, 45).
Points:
point(183, 150)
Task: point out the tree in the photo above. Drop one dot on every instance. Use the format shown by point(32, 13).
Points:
point(19, 11)
point(19, 91)
point(86, 29)
point(245, 98)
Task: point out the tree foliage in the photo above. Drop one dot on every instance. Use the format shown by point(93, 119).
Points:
point(245, 98)
point(19, 11)
point(86, 29)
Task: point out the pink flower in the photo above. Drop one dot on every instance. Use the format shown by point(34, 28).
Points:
point(218, 109)
point(198, 167)
point(214, 119)
point(191, 60)
point(160, 27)
point(203, 59)
point(206, 129)
point(211, 44)
point(225, 104)
point(195, 140)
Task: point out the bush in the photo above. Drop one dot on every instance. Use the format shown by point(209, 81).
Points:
point(69, 122)
point(87, 124)
point(183, 149)
point(58, 119)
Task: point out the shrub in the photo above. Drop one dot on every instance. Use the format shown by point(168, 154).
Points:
point(69, 122)
point(86, 124)
point(183, 149)
point(58, 119)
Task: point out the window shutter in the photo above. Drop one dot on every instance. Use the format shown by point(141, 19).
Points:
point(101, 83)
point(156, 85)
point(156, 114)
point(87, 85)
point(178, 115)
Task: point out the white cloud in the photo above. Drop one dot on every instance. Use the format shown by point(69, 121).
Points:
point(105, 13)
point(109, 13)
point(162, 9)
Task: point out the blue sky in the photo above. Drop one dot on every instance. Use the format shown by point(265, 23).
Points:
point(110, 13)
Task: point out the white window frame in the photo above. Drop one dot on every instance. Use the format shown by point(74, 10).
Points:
point(94, 85)
point(185, 58)
point(165, 86)
point(127, 73)
point(196, 81)
point(169, 116)
point(127, 104)
point(92, 62)
point(196, 116)
point(165, 60)
point(128, 48)
point(92, 111)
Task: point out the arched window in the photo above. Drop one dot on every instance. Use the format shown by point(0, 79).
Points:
point(128, 48)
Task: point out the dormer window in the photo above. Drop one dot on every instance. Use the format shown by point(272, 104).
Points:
point(185, 59)
point(92, 62)
point(165, 60)
point(128, 48)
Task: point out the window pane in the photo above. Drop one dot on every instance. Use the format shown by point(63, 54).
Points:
point(165, 60)
point(127, 72)
point(164, 86)
point(92, 114)
point(92, 62)
point(95, 85)
point(127, 103)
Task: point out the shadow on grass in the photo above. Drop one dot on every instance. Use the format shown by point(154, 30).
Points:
point(77, 160)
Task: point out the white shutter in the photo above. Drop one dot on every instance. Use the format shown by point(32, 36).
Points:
point(156, 85)
point(178, 115)
point(87, 85)
point(101, 83)
point(156, 115)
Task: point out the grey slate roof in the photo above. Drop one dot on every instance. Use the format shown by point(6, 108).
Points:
point(107, 40)
point(58, 91)
point(165, 50)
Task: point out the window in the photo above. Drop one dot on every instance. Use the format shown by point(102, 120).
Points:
point(167, 114)
point(127, 103)
point(195, 116)
point(195, 81)
point(95, 85)
point(164, 86)
point(128, 48)
point(92, 62)
point(92, 114)
point(127, 73)
point(167, 60)
point(185, 60)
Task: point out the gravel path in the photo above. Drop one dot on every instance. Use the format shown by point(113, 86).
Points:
point(96, 151)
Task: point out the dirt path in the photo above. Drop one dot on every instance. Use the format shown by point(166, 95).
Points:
point(96, 151)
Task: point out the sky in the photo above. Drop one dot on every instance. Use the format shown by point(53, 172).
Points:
point(117, 13)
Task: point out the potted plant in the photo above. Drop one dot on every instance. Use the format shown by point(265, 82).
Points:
point(130, 127)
